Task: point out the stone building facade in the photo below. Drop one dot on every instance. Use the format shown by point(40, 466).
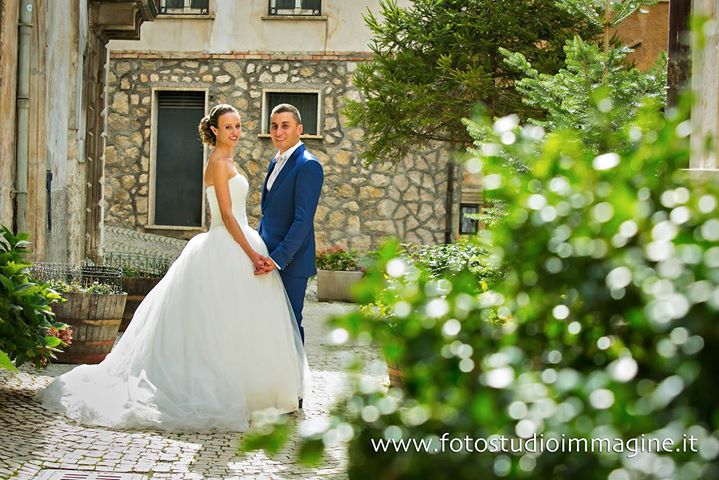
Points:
point(360, 205)
point(241, 52)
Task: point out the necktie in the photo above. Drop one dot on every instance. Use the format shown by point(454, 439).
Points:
point(279, 163)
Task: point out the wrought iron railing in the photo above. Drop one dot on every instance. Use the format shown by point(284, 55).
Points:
point(295, 7)
point(81, 275)
point(185, 7)
point(137, 264)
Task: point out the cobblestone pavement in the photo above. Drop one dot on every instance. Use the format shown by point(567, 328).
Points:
point(35, 444)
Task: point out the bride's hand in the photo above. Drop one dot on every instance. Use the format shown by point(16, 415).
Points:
point(261, 263)
point(256, 259)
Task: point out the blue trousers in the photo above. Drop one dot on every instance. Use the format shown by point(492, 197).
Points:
point(296, 287)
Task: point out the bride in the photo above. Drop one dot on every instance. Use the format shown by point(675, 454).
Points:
point(214, 341)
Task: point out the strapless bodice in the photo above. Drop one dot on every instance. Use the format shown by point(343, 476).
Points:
point(238, 193)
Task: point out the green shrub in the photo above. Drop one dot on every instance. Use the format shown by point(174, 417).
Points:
point(28, 330)
point(447, 259)
point(429, 265)
point(337, 258)
point(76, 287)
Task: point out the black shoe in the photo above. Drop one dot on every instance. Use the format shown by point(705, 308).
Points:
point(300, 404)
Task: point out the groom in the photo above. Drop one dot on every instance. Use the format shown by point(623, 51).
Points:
point(289, 200)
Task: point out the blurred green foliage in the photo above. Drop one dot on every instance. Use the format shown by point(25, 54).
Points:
point(447, 259)
point(605, 319)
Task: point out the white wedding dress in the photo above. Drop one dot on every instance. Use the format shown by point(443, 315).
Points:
point(210, 344)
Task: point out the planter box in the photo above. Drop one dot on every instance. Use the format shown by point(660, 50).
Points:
point(336, 285)
point(136, 288)
point(95, 320)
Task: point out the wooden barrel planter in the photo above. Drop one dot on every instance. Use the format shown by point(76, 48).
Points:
point(137, 288)
point(336, 285)
point(95, 320)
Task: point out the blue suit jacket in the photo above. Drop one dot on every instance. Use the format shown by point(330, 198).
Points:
point(288, 213)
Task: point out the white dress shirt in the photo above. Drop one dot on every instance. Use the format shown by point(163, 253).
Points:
point(280, 161)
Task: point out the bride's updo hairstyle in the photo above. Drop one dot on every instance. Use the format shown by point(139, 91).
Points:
point(207, 136)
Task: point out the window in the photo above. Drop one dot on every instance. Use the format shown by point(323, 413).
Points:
point(306, 102)
point(468, 226)
point(296, 7)
point(179, 156)
point(185, 7)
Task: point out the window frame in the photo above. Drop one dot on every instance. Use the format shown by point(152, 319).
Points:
point(185, 11)
point(152, 174)
point(264, 128)
point(462, 219)
point(298, 11)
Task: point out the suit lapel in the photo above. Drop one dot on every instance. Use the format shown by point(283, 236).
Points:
point(264, 186)
point(291, 162)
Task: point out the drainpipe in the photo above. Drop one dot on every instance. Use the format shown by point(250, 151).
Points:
point(449, 202)
point(23, 115)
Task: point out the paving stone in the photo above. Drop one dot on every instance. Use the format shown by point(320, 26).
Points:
point(37, 442)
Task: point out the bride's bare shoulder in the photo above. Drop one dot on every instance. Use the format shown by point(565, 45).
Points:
point(217, 166)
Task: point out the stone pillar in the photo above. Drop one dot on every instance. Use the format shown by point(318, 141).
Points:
point(705, 84)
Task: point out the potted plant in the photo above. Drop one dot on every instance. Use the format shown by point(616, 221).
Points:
point(93, 309)
point(337, 270)
point(140, 274)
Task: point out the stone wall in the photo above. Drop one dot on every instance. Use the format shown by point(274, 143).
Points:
point(359, 205)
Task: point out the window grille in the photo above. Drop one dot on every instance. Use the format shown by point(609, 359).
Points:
point(296, 7)
point(306, 103)
point(185, 7)
point(467, 225)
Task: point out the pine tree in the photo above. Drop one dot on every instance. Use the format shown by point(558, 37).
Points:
point(597, 90)
point(432, 62)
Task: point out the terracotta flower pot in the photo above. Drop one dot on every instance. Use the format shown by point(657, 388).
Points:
point(336, 285)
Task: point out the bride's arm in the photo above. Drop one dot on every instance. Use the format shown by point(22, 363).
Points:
point(220, 180)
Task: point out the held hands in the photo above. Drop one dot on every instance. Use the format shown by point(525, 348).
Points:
point(262, 264)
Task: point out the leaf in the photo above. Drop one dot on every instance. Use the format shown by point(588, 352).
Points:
point(23, 244)
point(51, 341)
point(6, 363)
point(311, 452)
point(270, 438)
point(25, 289)
point(5, 244)
point(7, 283)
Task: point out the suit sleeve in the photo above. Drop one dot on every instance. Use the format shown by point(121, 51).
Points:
point(307, 195)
